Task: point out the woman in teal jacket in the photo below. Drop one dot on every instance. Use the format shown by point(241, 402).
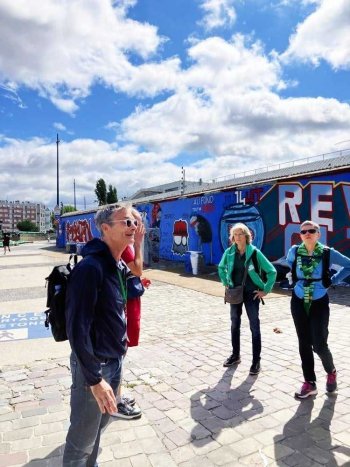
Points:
point(231, 271)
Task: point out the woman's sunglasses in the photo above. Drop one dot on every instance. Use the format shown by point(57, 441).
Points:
point(311, 231)
point(127, 222)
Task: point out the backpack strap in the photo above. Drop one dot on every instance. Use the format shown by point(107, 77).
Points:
point(73, 257)
point(326, 273)
point(255, 262)
point(326, 267)
point(254, 258)
point(294, 266)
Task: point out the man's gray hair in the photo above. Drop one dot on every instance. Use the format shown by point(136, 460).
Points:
point(104, 214)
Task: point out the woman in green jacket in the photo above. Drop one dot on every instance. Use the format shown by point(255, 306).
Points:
point(231, 272)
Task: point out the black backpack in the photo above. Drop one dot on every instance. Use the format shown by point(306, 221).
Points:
point(257, 268)
point(56, 284)
point(326, 272)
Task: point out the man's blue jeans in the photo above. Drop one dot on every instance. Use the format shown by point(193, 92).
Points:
point(86, 420)
point(252, 309)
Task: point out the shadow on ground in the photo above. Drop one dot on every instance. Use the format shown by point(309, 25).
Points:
point(221, 406)
point(306, 440)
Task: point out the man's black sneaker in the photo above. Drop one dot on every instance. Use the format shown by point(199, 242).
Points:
point(232, 360)
point(127, 411)
point(129, 400)
point(255, 368)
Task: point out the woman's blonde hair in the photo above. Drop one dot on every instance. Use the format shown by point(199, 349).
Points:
point(245, 230)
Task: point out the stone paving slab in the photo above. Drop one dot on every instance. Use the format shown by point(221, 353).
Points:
point(195, 412)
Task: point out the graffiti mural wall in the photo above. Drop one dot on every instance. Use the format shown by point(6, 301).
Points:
point(272, 212)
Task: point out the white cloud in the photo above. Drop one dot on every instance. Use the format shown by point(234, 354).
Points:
point(59, 126)
point(224, 107)
point(61, 49)
point(34, 164)
point(324, 35)
point(217, 13)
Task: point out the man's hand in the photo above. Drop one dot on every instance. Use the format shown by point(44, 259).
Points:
point(104, 395)
point(139, 234)
point(259, 294)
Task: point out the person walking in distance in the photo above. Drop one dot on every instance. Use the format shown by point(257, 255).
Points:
point(310, 303)
point(236, 268)
point(96, 329)
point(6, 242)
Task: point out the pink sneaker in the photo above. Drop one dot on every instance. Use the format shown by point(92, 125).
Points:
point(331, 385)
point(307, 389)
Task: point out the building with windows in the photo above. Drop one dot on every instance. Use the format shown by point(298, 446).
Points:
point(12, 212)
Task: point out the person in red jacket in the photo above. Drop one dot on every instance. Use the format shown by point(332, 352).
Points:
point(133, 257)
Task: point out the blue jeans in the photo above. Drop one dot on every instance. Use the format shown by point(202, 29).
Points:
point(86, 420)
point(312, 331)
point(252, 309)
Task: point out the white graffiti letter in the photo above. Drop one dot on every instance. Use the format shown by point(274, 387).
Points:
point(291, 196)
point(319, 190)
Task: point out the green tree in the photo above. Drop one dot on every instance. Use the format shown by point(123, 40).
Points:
point(112, 196)
point(68, 208)
point(101, 192)
point(27, 226)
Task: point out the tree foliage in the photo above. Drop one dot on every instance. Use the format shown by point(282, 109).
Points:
point(101, 192)
point(104, 196)
point(27, 226)
point(68, 208)
point(112, 196)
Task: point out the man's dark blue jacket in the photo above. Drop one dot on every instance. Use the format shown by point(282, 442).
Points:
point(96, 325)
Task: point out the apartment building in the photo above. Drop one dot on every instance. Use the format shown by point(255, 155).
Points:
point(12, 212)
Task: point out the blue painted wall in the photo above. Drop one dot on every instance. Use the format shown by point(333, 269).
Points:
point(272, 212)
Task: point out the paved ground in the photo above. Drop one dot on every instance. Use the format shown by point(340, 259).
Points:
point(195, 412)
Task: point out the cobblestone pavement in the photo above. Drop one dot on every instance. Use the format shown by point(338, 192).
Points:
point(195, 412)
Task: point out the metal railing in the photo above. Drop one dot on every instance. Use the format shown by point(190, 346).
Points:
point(282, 165)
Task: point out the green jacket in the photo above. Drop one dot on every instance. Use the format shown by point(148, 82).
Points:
point(228, 260)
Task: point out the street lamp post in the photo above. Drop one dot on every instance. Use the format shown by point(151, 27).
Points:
point(58, 175)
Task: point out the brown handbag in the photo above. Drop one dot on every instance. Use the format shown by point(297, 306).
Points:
point(234, 295)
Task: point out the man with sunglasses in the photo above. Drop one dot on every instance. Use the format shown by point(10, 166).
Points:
point(96, 329)
point(310, 305)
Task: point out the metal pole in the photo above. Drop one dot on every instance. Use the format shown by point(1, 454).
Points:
point(75, 199)
point(58, 176)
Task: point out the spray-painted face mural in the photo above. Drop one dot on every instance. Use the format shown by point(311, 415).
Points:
point(156, 215)
point(249, 215)
point(203, 230)
point(79, 231)
point(180, 237)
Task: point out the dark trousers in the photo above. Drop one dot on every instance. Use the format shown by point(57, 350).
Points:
point(252, 309)
point(312, 331)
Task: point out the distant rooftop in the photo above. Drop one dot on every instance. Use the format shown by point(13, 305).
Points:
point(161, 189)
point(322, 163)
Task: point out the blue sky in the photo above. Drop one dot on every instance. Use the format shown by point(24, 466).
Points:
point(137, 89)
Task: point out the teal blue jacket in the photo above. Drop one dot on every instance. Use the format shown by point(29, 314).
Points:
point(227, 262)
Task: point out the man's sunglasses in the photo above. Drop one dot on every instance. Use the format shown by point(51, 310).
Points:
point(127, 222)
point(312, 231)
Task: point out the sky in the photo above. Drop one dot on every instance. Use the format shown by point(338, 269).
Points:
point(137, 89)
